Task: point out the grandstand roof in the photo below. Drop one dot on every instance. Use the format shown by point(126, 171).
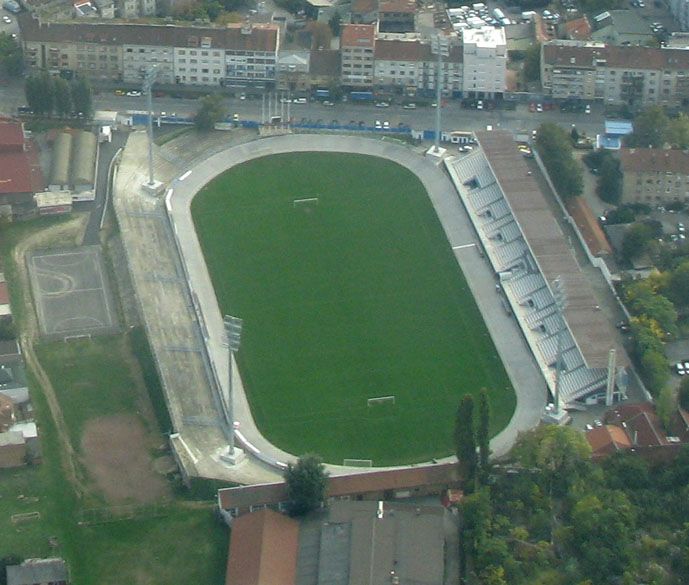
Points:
point(591, 330)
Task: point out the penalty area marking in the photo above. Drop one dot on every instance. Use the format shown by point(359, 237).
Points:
point(462, 246)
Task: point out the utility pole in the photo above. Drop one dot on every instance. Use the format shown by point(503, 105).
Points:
point(441, 47)
point(233, 339)
point(152, 187)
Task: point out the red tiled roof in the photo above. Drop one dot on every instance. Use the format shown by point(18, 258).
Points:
point(263, 549)
point(588, 225)
point(364, 6)
point(416, 51)
point(578, 29)
point(640, 422)
point(4, 294)
point(20, 171)
point(11, 135)
point(607, 439)
point(397, 6)
point(358, 35)
point(645, 160)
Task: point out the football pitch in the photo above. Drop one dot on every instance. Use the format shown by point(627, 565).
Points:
point(349, 291)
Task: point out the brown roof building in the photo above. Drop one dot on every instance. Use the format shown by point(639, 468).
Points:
point(364, 11)
point(653, 175)
point(263, 550)
point(384, 484)
point(607, 440)
point(588, 226)
point(357, 42)
point(578, 29)
point(396, 16)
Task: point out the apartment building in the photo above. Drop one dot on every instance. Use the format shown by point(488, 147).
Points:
point(397, 16)
point(357, 44)
point(637, 76)
point(485, 62)
point(293, 70)
point(237, 54)
point(135, 8)
point(653, 175)
point(408, 66)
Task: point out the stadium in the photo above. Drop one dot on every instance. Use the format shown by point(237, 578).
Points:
point(366, 275)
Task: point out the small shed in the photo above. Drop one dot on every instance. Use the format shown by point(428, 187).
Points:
point(59, 173)
point(53, 202)
point(38, 572)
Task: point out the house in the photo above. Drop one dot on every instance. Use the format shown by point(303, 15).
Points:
point(20, 172)
point(38, 572)
point(375, 485)
point(485, 62)
point(653, 176)
point(607, 440)
point(622, 28)
point(348, 543)
point(578, 29)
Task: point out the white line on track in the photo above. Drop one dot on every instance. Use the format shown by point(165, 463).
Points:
point(462, 246)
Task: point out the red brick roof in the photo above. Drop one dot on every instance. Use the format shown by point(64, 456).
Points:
point(393, 50)
point(578, 29)
point(607, 439)
point(263, 549)
point(645, 160)
point(20, 171)
point(640, 423)
point(364, 6)
point(11, 135)
point(358, 35)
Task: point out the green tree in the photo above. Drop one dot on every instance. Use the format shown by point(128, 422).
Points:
point(465, 442)
point(32, 91)
point(561, 453)
point(635, 241)
point(650, 128)
point(678, 286)
point(654, 371)
point(11, 59)
point(643, 300)
point(678, 132)
point(335, 24)
point(210, 112)
point(683, 394)
point(306, 484)
point(82, 100)
point(602, 529)
point(609, 187)
point(555, 149)
point(666, 406)
point(532, 63)
point(574, 134)
point(63, 97)
point(483, 430)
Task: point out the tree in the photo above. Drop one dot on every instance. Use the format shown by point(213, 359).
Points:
point(32, 91)
point(210, 112)
point(532, 63)
point(483, 430)
point(650, 128)
point(574, 134)
point(306, 483)
point(465, 442)
point(63, 97)
point(666, 406)
point(555, 149)
point(654, 371)
point(11, 59)
point(678, 285)
point(82, 100)
point(635, 240)
point(678, 132)
point(683, 395)
point(609, 187)
point(335, 24)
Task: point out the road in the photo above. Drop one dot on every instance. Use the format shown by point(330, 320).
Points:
point(423, 118)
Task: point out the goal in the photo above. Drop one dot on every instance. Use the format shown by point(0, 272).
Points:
point(358, 462)
point(305, 202)
point(381, 400)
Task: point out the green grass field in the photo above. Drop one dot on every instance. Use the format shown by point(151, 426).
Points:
point(353, 297)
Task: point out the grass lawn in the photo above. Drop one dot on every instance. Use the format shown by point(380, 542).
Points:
point(353, 297)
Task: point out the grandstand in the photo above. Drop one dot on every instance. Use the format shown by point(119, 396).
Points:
point(528, 251)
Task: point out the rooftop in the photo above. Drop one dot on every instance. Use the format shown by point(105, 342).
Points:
point(408, 6)
point(485, 37)
point(607, 439)
point(37, 571)
point(591, 331)
point(364, 6)
point(650, 160)
point(358, 35)
point(324, 62)
point(578, 29)
point(11, 134)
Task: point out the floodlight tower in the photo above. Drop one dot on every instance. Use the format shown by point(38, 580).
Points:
point(560, 304)
point(150, 76)
point(440, 46)
point(233, 339)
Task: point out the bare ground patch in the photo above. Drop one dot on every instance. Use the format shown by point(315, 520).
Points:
point(116, 453)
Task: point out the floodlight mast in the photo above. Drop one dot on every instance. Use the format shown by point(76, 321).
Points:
point(439, 46)
point(149, 79)
point(233, 338)
point(560, 304)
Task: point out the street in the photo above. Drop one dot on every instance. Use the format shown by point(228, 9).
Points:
point(422, 118)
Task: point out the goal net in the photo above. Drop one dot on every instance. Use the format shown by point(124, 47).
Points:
point(381, 400)
point(305, 202)
point(358, 462)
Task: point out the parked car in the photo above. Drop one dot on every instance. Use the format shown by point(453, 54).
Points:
point(386, 125)
point(539, 108)
point(382, 105)
point(327, 103)
point(378, 125)
point(479, 105)
point(134, 93)
point(587, 109)
point(120, 92)
point(299, 100)
point(6, 19)
point(409, 106)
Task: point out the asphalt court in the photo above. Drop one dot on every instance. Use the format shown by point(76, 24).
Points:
point(71, 292)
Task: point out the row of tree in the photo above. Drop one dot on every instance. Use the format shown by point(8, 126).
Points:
point(609, 170)
point(554, 146)
point(11, 60)
point(46, 95)
point(654, 129)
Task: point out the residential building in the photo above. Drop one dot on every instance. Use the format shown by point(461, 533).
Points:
point(578, 29)
point(364, 11)
point(38, 572)
point(485, 62)
point(396, 16)
point(349, 543)
point(20, 171)
point(135, 8)
point(293, 71)
point(324, 69)
point(654, 176)
point(407, 65)
point(375, 485)
point(357, 44)
point(242, 55)
point(637, 76)
point(680, 10)
point(607, 440)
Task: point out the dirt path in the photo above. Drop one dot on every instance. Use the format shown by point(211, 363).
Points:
point(70, 231)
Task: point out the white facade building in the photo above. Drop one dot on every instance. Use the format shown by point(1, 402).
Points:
point(485, 62)
point(199, 66)
point(137, 59)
